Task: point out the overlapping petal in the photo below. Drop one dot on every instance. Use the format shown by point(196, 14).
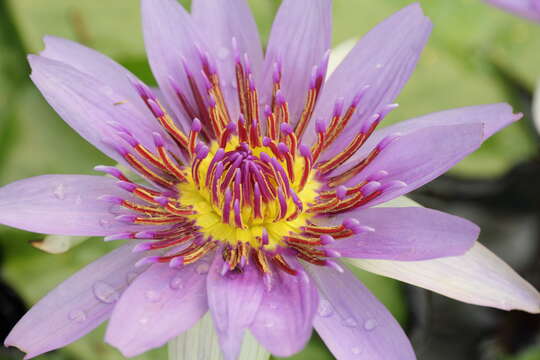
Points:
point(98, 66)
point(300, 37)
point(423, 155)
point(170, 38)
point(220, 22)
point(353, 323)
point(91, 107)
point(383, 59)
point(159, 305)
point(406, 234)
point(77, 305)
point(478, 277)
point(61, 204)
point(234, 299)
point(283, 323)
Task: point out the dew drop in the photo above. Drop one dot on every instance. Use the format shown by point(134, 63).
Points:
point(202, 268)
point(356, 350)
point(325, 309)
point(273, 306)
point(105, 292)
point(59, 192)
point(176, 282)
point(378, 66)
point(350, 322)
point(223, 53)
point(269, 323)
point(105, 223)
point(234, 85)
point(143, 320)
point(370, 324)
point(77, 316)
point(152, 296)
point(131, 276)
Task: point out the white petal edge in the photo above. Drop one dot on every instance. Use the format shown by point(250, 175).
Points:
point(201, 342)
point(479, 277)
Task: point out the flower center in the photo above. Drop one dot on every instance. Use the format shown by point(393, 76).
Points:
point(246, 187)
point(250, 195)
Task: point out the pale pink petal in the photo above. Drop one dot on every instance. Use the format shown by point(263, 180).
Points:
point(478, 277)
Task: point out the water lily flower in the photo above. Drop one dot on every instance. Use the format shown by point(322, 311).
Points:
point(529, 9)
point(261, 179)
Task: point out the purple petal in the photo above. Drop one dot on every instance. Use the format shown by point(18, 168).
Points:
point(299, 39)
point(353, 323)
point(162, 303)
point(406, 234)
point(62, 205)
point(421, 156)
point(170, 36)
point(283, 323)
point(96, 65)
point(383, 59)
point(221, 21)
point(90, 106)
point(233, 299)
point(493, 117)
point(529, 9)
point(478, 277)
point(76, 306)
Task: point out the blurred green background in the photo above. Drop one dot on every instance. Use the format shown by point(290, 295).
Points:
point(476, 55)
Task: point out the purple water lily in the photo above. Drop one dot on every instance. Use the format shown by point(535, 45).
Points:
point(260, 179)
point(529, 9)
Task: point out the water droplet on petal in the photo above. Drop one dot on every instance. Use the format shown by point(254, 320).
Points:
point(350, 322)
point(105, 223)
point(176, 282)
point(77, 316)
point(370, 324)
point(234, 85)
point(269, 323)
point(325, 309)
point(105, 292)
point(378, 66)
point(131, 276)
point(202, 268)
point(356, 350)
point(152, 296)
point(223, 53)
point(144, 320)
point(273, 306)
point(59, 192)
